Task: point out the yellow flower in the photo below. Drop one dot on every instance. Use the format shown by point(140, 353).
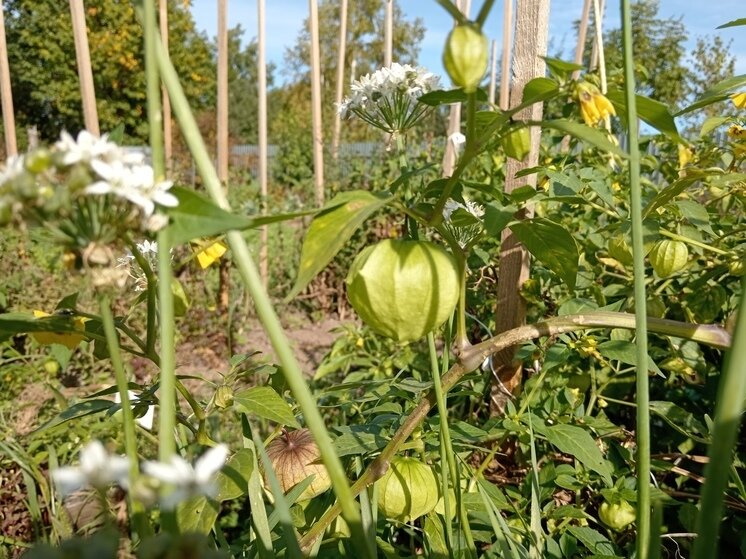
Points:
point(739, 100)
point(736, 131)
point(208, 256)
point(685, 155)
point(68, 339)
point(603, 105)
point(588, 109)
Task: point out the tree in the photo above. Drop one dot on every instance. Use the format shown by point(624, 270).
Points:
point(242, 84)
point(664, 69)
point(364, 48)
point(44, 70)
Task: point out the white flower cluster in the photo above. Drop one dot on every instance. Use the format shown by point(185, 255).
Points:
point(389, 98)
point(149, 251)
point(466, 227)
point(120, 173)
point(99, 469)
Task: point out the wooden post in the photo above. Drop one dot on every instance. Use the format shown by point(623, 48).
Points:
point(340, 76)
point(582, 32)
point(318, 138)
point(594, 49)
point(166, 101)
point(531, 32)
point(222, 140)
point(507, 44)
point(388, 36)
point(9, 123)
point(598, 18)
point(263, 160)
point(85, 73)
point(493, 73)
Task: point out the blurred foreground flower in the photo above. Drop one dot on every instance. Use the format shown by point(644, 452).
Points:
point(389, 98)
point(210, 254)
point(68, 339)
point(594, 106)
point(739, 100)
point(97, 469)
point(463, 221)
point(187, 480)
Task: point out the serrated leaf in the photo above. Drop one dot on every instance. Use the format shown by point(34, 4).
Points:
point(233, 479)
point(197, 217)
point(653, 112)
point(331, 229)
point(266, 403)
point(81, 409)
point(552, 245)
point(577, 442)
point(626, 352)
point(592, 136)
point(696, 214)
point(197, 514)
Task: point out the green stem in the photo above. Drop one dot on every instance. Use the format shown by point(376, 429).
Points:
point(151, 297)
point(703, 246)
point(641, 330)
point(153, 88)
point(167, 409)
point(474, 356)
point(462, 341)
point(253, 283)
point(139, 521)
point(730, 406)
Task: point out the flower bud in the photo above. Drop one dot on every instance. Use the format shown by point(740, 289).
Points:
point(466, 56)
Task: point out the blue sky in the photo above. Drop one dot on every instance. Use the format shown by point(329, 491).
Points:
point(285, 17)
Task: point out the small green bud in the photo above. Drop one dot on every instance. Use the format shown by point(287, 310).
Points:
point(466, 56)
point(38, 161)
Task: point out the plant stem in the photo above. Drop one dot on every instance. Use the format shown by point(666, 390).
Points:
point(728, 411)
point(128, 420)
point(474, 356)
point(641, 331)
point(253, 283)
point(167, 410)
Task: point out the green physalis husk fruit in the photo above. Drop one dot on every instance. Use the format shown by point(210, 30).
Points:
point(668, 257)
point(466, 56)
point(403, 289)
point(408, 490)
point(617, 516)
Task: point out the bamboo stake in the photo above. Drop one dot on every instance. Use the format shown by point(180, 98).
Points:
point(598, 18)
point(388, 38)
point(222, 139)
point(582, 32)
point(594, 49)
point(340, 76)
point(85, 72)
point(507, 43)
point(9, 124)
point(166, 102)
point(493, 73)
point(531, 32)
point(262, 102)
point(318, 138)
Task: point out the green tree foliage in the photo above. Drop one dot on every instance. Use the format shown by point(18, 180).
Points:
point(44, 71)
point(665, 70)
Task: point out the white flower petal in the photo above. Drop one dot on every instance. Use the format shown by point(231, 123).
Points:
point(210, 463)
point(69, 479)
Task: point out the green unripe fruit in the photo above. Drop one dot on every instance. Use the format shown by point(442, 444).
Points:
point(403, 289)
point(408, 490)
point(617, 516)
point(517, 143)
point(668, 257)
point(465, 57)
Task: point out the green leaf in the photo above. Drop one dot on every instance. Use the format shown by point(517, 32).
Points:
point(578, 443)
point(266, 403)
point(537, 90)
point(442, 97)
point(681, 420)
point(593, 540)
point(357, 443)
point(81, 409)
point(589, 135)
point(711, 123)
point(197, 514)
point(675, 188)
point(331, 229)
point(496, 218)
point(719, 92)
point(626, 352)
point(197, 217)
point(696, 214)
point(233, 479)
point(561, 68)
point(552, 245)
point(733, 23)
point(653, 112)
